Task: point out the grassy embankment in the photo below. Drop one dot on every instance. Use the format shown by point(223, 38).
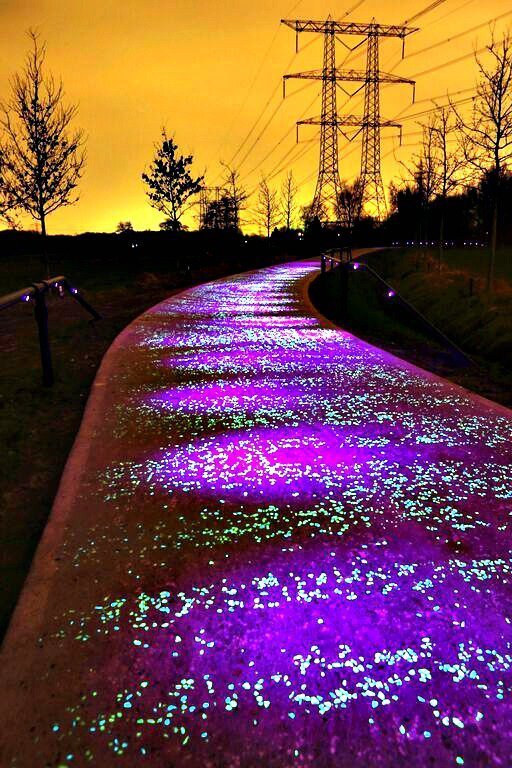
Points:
point(37, 424)
point(453, 299)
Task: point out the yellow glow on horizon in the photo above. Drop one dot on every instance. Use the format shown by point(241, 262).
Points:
point(205, 70)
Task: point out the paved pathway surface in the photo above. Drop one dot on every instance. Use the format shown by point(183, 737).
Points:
point(274, 545)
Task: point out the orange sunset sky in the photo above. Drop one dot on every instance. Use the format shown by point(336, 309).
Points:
point(207, 70)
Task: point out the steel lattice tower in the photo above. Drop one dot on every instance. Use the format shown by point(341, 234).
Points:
point(328, 183)
point(371, 179)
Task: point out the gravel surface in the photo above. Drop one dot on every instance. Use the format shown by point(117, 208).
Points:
point(273, 545)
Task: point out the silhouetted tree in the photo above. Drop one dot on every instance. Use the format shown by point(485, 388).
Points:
point(167, 225)
point(423, 169)
point(220, 214)
point(236, 193)
point(486, 134)
point(267, 207)
point(170, 183)
point(42, 158)
point(312, 216)
point(288, 200)
point(123, 227)
point(450, 163)
point(5, 203)
point(349, 204)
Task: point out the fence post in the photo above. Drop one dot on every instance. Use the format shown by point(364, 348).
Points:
point(41, 315)
point(343, 290)
point(322, 263)
point(73, 292)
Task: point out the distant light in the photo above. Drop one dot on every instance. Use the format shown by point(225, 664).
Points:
point(391, 293)
point(26, 297)
point(355, 265)
point(74, 290)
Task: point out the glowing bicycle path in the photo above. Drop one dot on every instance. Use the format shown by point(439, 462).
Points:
point(274, 545)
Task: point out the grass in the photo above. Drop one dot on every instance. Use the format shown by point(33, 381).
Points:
point(38, 424)
point(454, 300)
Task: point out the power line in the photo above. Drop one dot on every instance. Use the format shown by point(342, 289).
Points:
point(260, 116)
point(449, 63)
point(286, 134)
point(458, 35)
point(427, 9)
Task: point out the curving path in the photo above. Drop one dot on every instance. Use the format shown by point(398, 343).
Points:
point(274, 545)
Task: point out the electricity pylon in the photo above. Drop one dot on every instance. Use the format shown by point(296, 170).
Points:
point(325, 201)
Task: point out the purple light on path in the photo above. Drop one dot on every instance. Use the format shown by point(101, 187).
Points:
point(290, 548)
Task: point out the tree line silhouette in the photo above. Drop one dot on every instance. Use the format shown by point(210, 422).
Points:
point(458, 184)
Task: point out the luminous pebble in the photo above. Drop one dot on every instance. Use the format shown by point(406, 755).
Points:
point(308, 531)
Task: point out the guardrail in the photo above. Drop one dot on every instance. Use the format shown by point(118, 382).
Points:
point(36, 293)
point(335, 256)
point(390, 293)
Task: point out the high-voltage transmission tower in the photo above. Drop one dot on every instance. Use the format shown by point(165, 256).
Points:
point(325, 200)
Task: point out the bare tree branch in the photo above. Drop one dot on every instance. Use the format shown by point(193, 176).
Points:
point(267, 208)
point(43, 158)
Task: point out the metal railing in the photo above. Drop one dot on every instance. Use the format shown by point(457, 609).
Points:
point(347, 263)
point(335, 256)
point(36, 293)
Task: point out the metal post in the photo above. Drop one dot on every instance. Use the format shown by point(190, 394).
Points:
point(41, 315)
point(74, 293)
point(322, 263)
point(344, 277)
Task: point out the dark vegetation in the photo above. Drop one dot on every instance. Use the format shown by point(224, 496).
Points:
point(453, 299)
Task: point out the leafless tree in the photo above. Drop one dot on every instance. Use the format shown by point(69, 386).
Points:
point(424, 170)
point(427, 166)
point(449, 165)
point(6, 213)
point(236, 193)
point(349, 204)
point(486, 133)
point(267, 207)
point(43, 158)
point(288, 200)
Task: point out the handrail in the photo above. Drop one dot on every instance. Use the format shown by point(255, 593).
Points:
point(332, 256)
point(36, 293)
point(393, 294)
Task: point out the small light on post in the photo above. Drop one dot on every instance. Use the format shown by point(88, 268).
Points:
point(391, 293)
